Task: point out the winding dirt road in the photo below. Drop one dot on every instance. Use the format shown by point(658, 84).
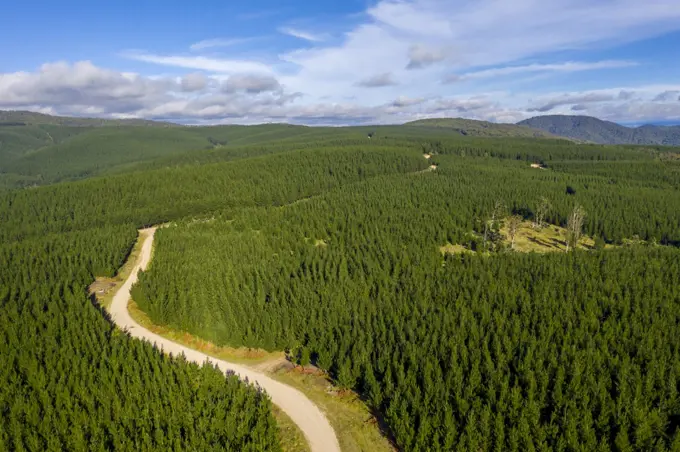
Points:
point(309, 418)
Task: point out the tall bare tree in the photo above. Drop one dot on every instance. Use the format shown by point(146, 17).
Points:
point(496, 214)
point(575, 226)
point(514, 223)
point(542, 211)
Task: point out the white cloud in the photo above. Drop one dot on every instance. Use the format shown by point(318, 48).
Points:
point(629, 104)
point(85, 89)
point(403, 101)
point(377, 81)
point(418, 43)
point(194, 82)
point(571, 99)
point(81, 84)
point(626, 95)
point(463, 105)
point(301, 34)
point(251, 84)
point(571, 66)
point(489, 32)
point(218, 42)
point(421, 42)
point(637, 112)
point(667, 96)
point(202, 63)
point(420, 56)
point(409, 17)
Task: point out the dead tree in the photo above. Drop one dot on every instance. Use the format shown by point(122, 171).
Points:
point(542, 210)
point(514, 223)
point(496, 215)
point(575, 226)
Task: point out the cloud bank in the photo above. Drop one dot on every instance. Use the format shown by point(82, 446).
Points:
point(85, 89)
point(405, 59)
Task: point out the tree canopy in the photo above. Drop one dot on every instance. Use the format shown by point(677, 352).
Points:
point(328, 246)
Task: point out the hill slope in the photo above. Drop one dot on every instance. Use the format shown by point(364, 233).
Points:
point(44, 153)
point(38, 149)
point(24, 132)
point(587, 128)
point(480, 128)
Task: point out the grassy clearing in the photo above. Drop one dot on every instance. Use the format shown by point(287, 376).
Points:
point(545, 240)
point(450, 248)
point(548, 239)
point(356, 427)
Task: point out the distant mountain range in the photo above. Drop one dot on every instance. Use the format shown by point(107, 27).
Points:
point(587, 128)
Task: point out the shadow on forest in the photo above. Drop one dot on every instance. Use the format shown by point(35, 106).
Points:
point(383, 427)
point(673, 424)
point(554, 243)
point(382, 423)
point(98, 306)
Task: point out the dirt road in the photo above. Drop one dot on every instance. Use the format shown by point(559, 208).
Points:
point(314, 425)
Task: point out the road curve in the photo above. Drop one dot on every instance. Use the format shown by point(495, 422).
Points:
point(308, 417)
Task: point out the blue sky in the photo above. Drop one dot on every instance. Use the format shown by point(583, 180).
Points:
point(356, 61)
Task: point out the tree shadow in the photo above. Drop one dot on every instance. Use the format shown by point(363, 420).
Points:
point(552, 243)
point(378, 419)
point(102, 310)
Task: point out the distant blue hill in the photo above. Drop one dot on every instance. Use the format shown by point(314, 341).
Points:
point(587, 128)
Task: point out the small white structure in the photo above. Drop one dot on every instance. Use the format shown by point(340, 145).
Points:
point(537, 165)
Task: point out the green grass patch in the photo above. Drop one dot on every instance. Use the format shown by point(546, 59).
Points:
point(355, 425)
point(548, 239)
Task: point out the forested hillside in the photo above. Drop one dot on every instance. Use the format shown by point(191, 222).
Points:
point(502, 352)
point(69, 379)
point(39, 149)
point(43, 154)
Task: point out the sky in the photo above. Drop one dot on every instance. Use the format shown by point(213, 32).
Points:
point(329, 62)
